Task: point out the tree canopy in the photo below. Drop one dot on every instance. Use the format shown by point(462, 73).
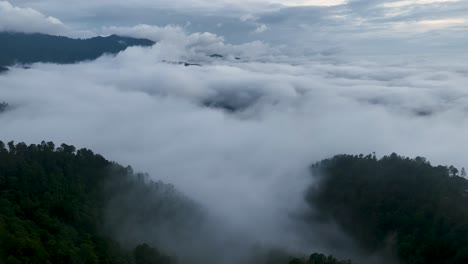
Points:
point(63, 205)
point(52, 204)
point(418, 209)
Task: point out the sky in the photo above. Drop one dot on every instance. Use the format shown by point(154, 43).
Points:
point(313, 79)
point(364, 27)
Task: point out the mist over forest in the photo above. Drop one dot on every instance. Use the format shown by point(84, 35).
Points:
point(229, 132)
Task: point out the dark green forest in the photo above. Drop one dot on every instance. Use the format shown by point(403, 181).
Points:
point(23, 49)
point(63, 205)
point(52, 203)
point(419, 210)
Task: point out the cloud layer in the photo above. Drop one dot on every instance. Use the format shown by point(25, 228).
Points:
point(356, 26)
point(249, 166)
point(239, 132)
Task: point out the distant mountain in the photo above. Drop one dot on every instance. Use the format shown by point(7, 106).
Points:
point(3, 107)
point(217, 56)
point(21, 48)
point(186, 64)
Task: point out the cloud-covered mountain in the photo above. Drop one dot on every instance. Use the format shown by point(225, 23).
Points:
point(21, 48)
point(138, 110)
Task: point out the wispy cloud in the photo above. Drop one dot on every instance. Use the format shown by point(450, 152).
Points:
point(314, 2)
point(261, 28)
point(405, 3)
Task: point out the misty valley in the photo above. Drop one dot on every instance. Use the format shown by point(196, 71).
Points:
point(62, 205)
point(233, 132)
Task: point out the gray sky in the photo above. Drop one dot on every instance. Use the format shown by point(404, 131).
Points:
point(355, 26)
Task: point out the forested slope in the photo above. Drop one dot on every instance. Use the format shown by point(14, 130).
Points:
point(52, 204)
point(62, 205)
point(419, 210)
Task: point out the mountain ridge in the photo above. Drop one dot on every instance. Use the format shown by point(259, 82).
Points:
point(23, 48)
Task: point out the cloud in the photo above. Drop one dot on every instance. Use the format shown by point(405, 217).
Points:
point(28, 20)
point(248, 166)
point(248, 17)
point(353, 26)
point(415, 2)
point(178, 44)
point(261, 28)
point(442, 23)
point(238, 133)
point(314, 2)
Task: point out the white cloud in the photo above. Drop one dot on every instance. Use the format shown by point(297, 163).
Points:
point(314, 2)
point(181, 45)
point(248, 17)
point(397, 4)
point(261, 28)
point(442, 23)
point(248, 167)
point(428, 25)
point(28, 20)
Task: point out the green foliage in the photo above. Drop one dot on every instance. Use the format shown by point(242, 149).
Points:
point(420, 210)
point(52, 202)
point(20, 48)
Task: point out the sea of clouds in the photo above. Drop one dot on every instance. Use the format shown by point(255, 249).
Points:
point(238, 133)
point(248, 164)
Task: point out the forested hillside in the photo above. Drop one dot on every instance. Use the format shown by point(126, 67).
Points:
point(419, 210)
point(52, 204)
point(62, 205)
point(21, 48)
